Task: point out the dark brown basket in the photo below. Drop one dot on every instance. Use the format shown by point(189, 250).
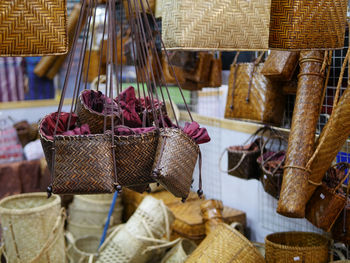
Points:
point(341, 227)
point(242, 163)
point(94, 119)
point(175, 161)
point(134, 159)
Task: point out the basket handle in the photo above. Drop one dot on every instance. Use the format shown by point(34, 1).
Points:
point(53, 236)
point(234, 168)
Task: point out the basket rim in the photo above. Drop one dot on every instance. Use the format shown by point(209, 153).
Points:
point(95, 238)
point(181, 132)
point(90, 110)
point(289, 247)
point(139, 135)
point(56, 200)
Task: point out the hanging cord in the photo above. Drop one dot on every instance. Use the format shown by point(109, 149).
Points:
point(235, 70)
point(101, 53)
point(158, 31)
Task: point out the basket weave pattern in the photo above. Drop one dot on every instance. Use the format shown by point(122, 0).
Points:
point(216, 24)
point(83, 164)
point(174, 165)
point(311, 24)
point(289, 247)
point(33, 28)
point(134, 158)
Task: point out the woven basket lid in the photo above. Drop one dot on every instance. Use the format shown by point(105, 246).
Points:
point(189, 222)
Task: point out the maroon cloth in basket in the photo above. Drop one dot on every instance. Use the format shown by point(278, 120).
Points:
point(48, 125)
point(97, 101)
point(127, 102)
point(199, 135)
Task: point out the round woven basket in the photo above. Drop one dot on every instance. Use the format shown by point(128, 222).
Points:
point(180, 252)
point(20, 217)
point(225, 244)
point(139, 239)
point(288, 247)
point(83, 249)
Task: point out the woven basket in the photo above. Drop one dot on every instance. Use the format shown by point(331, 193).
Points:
point(146, 228)
point(189, 221)
point(175, 160)
point(222, 25)
point(135, 156)
point(20, 216)
point(341, 227)
point(264, 24)
point(302, 135)
point(307, 24)
point(83, 249)
point(79, 230)
point(224, 244)
point(252, 96)
point(94, 119)
point(280, 65)
point(288, 247)
point(33, 28)
point(180, 252)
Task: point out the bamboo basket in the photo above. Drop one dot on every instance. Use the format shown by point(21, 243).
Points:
point(224, 244)
point(137, 241)
point(20, 216)
point(82, 250)
point(288, 247)
point(180, 252)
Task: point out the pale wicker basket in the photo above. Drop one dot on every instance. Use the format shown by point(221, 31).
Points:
point(32, 227)
point(141, 238)
point(180, 252)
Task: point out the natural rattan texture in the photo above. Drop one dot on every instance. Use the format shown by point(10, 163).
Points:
point(83, 164)
point(33, 28)
point(146, 227)
point(135, 157)
point(302, 135)
point(307, 24)
point(266, 100)
point(212, 213)
point(94, 119)
point(290, 247)
point(189, 221)
point(224, 245)
point(332, 138)
point(32, 228)
point(248, 168)
point(220, 25)
point(280, 65)
point(180, 252)
point(175, 160)
point(324, 207)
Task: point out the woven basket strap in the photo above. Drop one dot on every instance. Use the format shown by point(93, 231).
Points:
point(327, 62)
point(236, 166)
point(2, 252)
point(344, 166)
point(53, 236)
point(309, 163)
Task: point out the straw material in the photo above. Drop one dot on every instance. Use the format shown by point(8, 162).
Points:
point(224, 245)
point(20, 216)
point(82, 249)
point(302, 135)
point(307, 24)
point(212, 211)
point(175, 160)
point(146, 228)
point(265, 99)
point(135, 156)
point(33, 28)
point(131, 200)
point(280, 65)
point(189, 221)
point(180, 252)
point(94, 119)
point(290, 247)
point(221, 25)
point(83, 164)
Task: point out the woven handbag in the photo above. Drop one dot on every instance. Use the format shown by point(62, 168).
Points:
point(252, 96)
point(290, 247)
point(225, 244)
point(326, 204)
point(341, 227)
point(215, 77)
point(33, 28)
point(174, 163)
point(262, 25)
point(280, 65)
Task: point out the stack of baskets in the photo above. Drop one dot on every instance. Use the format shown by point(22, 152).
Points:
point(88, 214)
